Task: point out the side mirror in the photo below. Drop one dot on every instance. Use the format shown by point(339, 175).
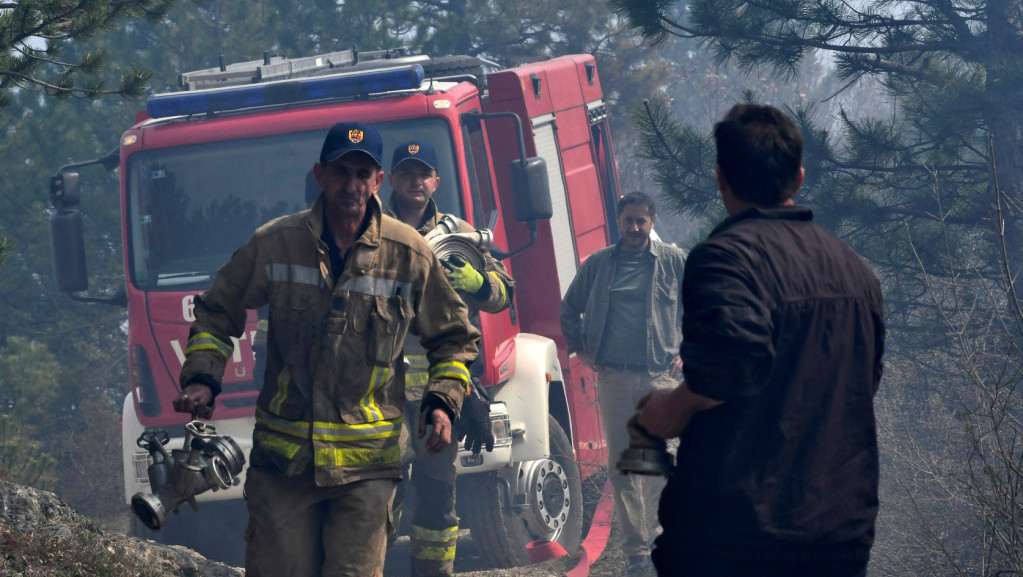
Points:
point(531, 190)
point(64, 190)
point(67, 238)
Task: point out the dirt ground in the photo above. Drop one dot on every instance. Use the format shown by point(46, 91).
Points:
point(610, 564)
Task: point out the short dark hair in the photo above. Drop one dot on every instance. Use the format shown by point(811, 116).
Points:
point(759, 153)
point(636, 198)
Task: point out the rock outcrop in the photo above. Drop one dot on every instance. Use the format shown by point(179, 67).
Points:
point(42, 536)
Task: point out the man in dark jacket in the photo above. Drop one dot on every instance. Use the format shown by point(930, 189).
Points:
point(782, 341)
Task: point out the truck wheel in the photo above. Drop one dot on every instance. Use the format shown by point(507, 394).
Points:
point(553, 508)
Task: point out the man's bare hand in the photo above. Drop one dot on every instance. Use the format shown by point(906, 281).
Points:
point(666, 413)
point(440, 436)
point(657, 415)
point(195, 399)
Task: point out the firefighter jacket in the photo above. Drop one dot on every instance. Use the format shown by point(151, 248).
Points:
point(330, 398)
point(496, 298)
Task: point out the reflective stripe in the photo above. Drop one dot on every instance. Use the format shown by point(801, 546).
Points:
point(502, 290)
point(351, 457)
point(380, 287)
point(289, 272)
point(433, 544)
point(417, 380)
point(418, 373)
point(208, 342)
point(275, 444)
point(330, 432)
point(433, 553)
point(435, 535)
point(367, 402)
point(283, 380)
point(418, 362)
point(298, 429)
point(263, 325)
point(450, 370)
point(335, 432)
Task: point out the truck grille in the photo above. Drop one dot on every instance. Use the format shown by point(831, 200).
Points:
point(141, 461)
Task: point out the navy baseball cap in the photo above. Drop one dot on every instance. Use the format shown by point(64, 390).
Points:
point(414, 150)
point(345, 137)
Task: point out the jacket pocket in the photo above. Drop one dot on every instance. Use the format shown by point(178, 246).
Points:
point(388, 323)
point(293, 324)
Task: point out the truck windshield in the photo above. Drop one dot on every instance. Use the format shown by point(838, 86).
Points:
point(190, 207)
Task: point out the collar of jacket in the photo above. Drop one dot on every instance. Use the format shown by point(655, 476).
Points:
point(364, 248)
point(430, 216)
point(792, 212)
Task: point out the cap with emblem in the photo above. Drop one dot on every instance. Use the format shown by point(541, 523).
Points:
point(345, 137)
point(414, 150)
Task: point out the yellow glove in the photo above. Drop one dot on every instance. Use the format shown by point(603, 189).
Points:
point(461, 275)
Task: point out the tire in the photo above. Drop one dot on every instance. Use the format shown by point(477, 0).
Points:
point(499, 532)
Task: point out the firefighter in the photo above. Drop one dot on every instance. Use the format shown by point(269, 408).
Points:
point(434, 532)
point(344, 284)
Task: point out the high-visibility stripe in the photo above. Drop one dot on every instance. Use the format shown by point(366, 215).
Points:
point(418, 373)
point(369, 406)
point(418, 362)
point(275, 444)
point(330, 432)
point(337, 432)
point(354, 457)
point(283, 381)
point(434, 535)
point(293, 273)
point(379, 287)
point(298, 429)
point(433, 545)
point(500, 287)
point(450, 370)
point(262, 325)
point(208, 342)
point(417, 379)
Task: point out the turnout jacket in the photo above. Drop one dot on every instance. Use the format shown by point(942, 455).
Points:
point(330, 398)
point(493, 297)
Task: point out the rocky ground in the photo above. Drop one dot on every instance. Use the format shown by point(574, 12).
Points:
point(41, 536)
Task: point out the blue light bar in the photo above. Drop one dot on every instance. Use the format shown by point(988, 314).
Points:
point(282, 92)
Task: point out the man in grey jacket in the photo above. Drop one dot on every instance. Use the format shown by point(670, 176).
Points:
point(622, 317)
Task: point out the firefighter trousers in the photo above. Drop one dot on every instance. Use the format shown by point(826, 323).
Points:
point(434, 532)
point(297, 529)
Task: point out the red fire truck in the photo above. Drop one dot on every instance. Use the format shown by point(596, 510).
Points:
point(523, 152)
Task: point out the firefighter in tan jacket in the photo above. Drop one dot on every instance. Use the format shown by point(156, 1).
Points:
point(344, 283)
point(434, 532)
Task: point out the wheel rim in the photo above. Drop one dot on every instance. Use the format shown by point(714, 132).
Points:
point(548, 499)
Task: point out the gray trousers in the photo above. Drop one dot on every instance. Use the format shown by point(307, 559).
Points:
point(636, 496)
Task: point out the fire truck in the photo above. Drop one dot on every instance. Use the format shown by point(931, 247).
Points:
point(524, 153)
